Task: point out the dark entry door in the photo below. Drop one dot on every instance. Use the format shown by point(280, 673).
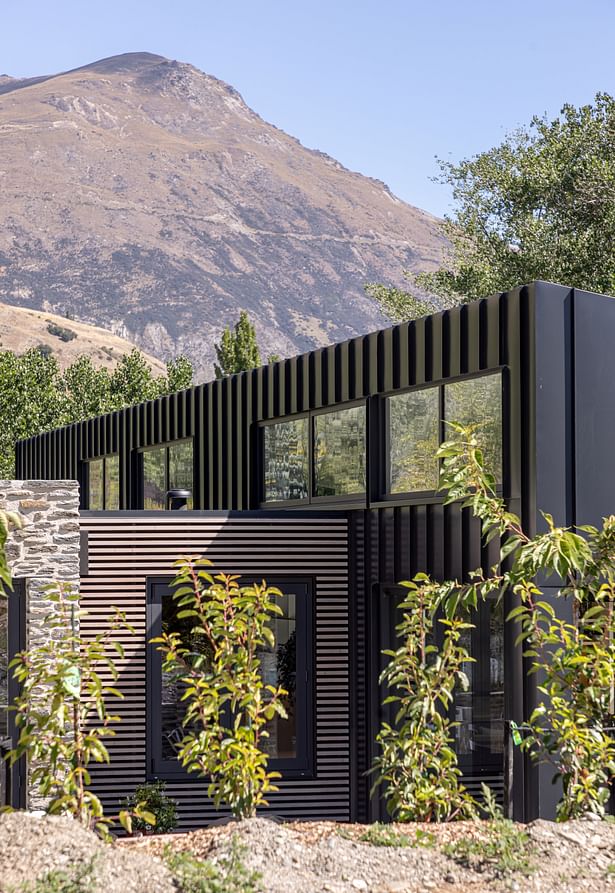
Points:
point(12, 640)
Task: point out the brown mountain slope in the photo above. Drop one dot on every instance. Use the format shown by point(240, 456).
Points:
point(144, 196)
point(21, 329)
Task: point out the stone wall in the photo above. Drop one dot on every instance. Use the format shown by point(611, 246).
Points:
point(45, 550)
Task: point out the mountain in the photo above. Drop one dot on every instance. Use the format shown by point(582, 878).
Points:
point(66, 339)
point(144, 196)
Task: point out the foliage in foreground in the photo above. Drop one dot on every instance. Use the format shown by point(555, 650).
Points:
point(152, 799)
point(228, 875)
point(35, 395)
point(538, 206)
point(228, 704)
point(573, 659)
point(8, 521)
point(417, 763)
point(505, 846)
point(79, 880)
point(62, 714)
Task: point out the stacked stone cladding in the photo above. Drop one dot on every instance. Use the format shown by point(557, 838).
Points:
point(44, 551)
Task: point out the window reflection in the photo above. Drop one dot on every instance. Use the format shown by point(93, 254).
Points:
point(479, 401)
point(414, 436)
point(180, 467)
point(166, 468)
point(112, 483)
point(339, 452)
point(278, 667)
point(286, 460)
point(154, 479)
point(96, 501)
point(480, 710)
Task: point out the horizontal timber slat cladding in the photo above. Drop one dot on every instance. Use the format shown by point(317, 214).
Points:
point(124, 550)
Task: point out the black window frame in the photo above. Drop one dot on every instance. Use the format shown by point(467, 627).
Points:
point(141, 472)
point(348, 499)
point(383, 495)
point(86, 480)
point(303, 766)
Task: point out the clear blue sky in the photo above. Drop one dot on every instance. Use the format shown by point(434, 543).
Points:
point(382, 86)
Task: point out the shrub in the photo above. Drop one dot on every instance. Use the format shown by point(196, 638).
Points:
point(8, 521)
point(506, 845)
point(227, 875)
point(229, 705)
point(60, 332)
point(62, 713)
point(152, 799)
point(575, 661)
point(417, 763)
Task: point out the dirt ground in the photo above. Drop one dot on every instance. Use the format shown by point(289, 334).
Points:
point(325, 857)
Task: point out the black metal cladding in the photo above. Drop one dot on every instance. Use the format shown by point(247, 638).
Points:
point(220, 415)
point(527, 333)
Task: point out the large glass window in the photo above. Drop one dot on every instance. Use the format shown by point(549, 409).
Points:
point(289, 664)
point(286, 457)
point(104, 483)
point(414, 436)
point(166, 468)
point(478, 401)
point(340, 452)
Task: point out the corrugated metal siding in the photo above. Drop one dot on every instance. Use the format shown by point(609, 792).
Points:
point(219, 415)
point(125, 550)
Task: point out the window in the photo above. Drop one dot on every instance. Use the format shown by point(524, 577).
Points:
point(478, 401)
point(286, 456)
point(289, 744)
point(321, 454)
point(480, 709)
point(414, 437)
point(166, 468)
point(340, 452)
point(104, 484)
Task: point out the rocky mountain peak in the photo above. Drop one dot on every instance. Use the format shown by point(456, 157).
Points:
point(143, 195)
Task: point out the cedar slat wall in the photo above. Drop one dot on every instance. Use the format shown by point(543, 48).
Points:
point(125, 549)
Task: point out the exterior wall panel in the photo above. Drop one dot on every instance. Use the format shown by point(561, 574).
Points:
point(124, 550)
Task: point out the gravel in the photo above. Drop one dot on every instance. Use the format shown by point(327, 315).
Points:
point(314, 857)
point(322, 857)
point(31, 847)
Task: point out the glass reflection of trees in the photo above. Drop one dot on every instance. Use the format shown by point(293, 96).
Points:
point(340, 452)
point(478, 401)
point(173, 709)
point(166, 468)
point(414, 436)
point(286, 447)
point(278, 666)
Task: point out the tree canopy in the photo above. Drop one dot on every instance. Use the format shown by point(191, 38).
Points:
point(238, 348)
point(35, 395)
point(541, 205)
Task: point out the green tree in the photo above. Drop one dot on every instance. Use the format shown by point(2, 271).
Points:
point(541, 205)
point(228, 703)
point(35, 395)
point(62, 713)
point(238, 348)
point(574, 660)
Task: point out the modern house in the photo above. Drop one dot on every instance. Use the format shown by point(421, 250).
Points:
point(319, 473)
